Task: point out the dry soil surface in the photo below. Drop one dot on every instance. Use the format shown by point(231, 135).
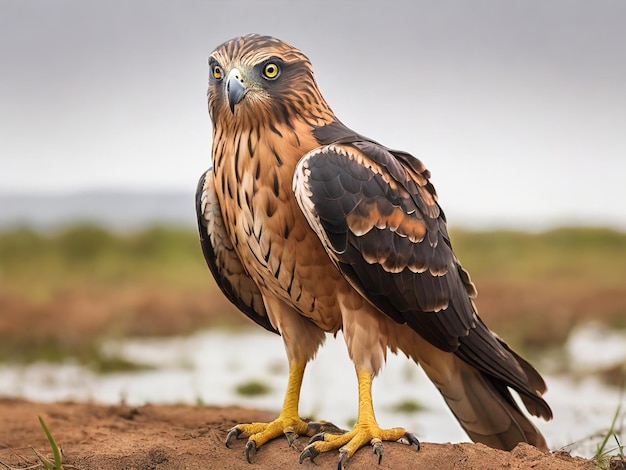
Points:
point(186, 437)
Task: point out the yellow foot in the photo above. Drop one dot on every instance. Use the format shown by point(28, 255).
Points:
point(260, 433)
point(350, 442)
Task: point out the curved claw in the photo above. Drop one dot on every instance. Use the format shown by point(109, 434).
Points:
point(250, 450)
point(410, 439)
point(377, 449)
point(343, 458)
point(291, 437)
point(309, 452)
point(233, 434)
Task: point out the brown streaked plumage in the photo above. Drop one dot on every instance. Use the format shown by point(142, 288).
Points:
point(310, 228)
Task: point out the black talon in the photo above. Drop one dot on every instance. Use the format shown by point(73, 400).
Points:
point(309, 452)
point(343, 458)
point(410, 439)
point(291, 437)
point(234, 433)
point(377, 448)
point(318, 437)
point(250, 450)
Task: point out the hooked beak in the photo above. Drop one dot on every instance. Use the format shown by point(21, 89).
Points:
point(235, 88)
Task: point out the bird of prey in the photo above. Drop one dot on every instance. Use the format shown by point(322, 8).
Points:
point(310, 228)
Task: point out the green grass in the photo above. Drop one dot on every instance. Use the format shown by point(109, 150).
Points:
point(90, 354)
point(606, 451)
point(44, 462)
point(407, 406)
point(86, 254)
point(533, 287)
point(253, 388)
point(57, 465)
point(596, 255)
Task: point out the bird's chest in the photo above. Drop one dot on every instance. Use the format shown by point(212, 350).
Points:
point(271, 236)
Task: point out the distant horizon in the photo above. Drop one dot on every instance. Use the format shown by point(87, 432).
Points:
point(134, 208)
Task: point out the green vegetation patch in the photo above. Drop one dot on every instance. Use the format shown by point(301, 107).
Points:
point(56, 465)
point(88, 254)
point(407, 405)
point(610, 450)
point(595, 254)
point(252, 388)
point(28, 350)
point(63, 292)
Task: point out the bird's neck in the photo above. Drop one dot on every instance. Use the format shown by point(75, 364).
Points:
point(264, 147)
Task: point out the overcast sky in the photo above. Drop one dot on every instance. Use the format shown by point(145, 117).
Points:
point(517, 107)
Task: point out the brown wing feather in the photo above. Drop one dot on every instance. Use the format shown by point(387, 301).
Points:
point(223, 261)
point(378, 218)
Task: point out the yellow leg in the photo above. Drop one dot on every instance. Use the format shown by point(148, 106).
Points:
point(288, 422)
point(366, 430)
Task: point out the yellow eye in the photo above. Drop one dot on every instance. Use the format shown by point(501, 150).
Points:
point(271, 70)
point(217, 72)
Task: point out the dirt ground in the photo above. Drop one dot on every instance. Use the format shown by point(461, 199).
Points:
point(186, 437)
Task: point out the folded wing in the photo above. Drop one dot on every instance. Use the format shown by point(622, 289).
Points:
point(377, 216)
point(221, 257)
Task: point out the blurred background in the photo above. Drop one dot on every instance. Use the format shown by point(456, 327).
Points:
point(518, 108)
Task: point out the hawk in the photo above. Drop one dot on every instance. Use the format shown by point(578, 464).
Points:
point(310, 228)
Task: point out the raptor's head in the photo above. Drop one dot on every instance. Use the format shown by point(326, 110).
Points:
point(256, 78)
